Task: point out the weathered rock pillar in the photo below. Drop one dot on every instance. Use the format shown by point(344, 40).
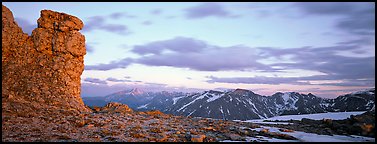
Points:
point(46, 66)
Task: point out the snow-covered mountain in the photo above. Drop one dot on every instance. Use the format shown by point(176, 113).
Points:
point(244, 104)
point(356, 101)
point(135, 98)
point(237, 104)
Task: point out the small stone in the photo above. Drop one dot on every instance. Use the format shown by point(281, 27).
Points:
point(209, 128)
point(264, 130)
point(198, 138)
point(235, 137)
point(286, 130)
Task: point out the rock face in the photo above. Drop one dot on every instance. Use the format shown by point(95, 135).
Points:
point(43, 68)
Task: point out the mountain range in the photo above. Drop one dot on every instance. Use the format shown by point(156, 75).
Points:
point(237, 104)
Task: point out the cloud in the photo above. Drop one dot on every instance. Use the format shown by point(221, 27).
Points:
point(116, 15)
point(156, 84)
point(198, 55)
point(26, 26)
point(353, 69)
point(327, 60)
point(119, 15)
point(98, 23)
point(112, 65)
point(327, 8)
point(292, 80)
point(170, 17)
point(211, 60)
point(116, 28)
point(206, 10)
point(190, 53)
point(117, 80)
point(178, 44)
point(147, 23)
point(350, 70)
point(356, 18)
point(95, 81)
point(361, 41)
point(256, 80)
point(157, 11)
point(89, 48)
point(90, 89)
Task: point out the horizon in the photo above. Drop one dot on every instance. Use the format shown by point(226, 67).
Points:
point(327, 49)
point(223, 90)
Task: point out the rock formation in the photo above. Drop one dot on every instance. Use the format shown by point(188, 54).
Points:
point(114, 107)
point(43, 69)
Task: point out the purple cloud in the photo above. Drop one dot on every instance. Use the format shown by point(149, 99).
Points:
point(178, 44)
point(170, 17)
point(327, 8)
point(112, 65)
point(291, 80)
point(204, 61)
point(116, 15)
point(356, 70)
point(257, 80)
point(157, 11)
point(352, 71)
point(95, 81)
point(356, 17)
point(116, 28)
point(26, 26)
point(89, 48)
point(206, 10)
point(327, 60)
point(90, 89)
point(193, 54)
point(117, 80)
point(147, 23)
point(98, 23)
point(156, 84)
point(204, 57)
point(119, 15)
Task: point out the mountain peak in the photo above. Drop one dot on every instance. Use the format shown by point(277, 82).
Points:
point(136, 91)
point(240, 90)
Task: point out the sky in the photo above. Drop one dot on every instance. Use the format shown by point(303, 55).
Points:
point(326, 49)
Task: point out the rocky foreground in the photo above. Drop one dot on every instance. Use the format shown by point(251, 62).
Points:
point(117, 122)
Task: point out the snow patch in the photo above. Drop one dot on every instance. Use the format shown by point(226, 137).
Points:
point(191, 113)
point(254, 109)
point(311, 137)
point(199, 97)
point(214, 97)
point(143, 106)
point(317, 116)
point(176, 99)
point(286, 97)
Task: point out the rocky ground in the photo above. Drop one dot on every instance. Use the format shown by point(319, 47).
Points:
point(116, 122)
